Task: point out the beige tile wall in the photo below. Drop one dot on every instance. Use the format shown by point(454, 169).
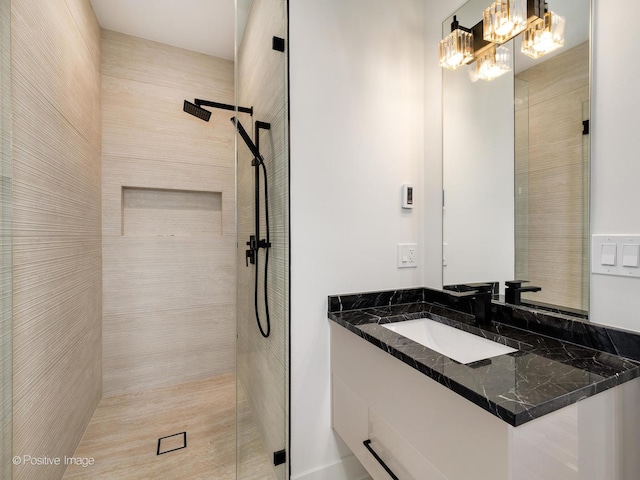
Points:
point(6, 363)
point(552, 165)
point(57, 286)
point(263, 363)
point(169, 271)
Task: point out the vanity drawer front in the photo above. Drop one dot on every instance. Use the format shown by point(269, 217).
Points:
point(355, 422)
point(349, 413)
point(399, 455)
point(350, 421)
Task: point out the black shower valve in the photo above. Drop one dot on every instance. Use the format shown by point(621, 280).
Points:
point(250, 254)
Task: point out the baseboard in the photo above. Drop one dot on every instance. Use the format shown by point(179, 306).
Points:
point(349, 468)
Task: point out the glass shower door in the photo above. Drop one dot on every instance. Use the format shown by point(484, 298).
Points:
point(262, 360)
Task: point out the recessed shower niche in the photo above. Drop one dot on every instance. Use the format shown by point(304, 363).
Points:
point(165, 212)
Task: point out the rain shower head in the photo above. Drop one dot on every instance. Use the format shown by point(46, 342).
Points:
point(197, 111)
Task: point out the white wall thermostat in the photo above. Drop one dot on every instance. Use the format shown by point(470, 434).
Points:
point(407, 195)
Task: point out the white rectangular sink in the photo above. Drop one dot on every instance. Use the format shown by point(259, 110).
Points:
point(463, 347)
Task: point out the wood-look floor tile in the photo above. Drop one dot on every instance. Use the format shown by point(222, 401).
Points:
point(123, 434)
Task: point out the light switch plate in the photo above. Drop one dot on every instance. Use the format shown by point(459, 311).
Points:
point(625, 253)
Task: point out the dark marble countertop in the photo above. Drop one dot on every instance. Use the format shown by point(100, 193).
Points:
point(544, 375)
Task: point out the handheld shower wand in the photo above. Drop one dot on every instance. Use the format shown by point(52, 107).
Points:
point(255, 243)
point(247, 139)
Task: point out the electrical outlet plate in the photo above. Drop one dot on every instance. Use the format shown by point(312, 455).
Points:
point(407, 255)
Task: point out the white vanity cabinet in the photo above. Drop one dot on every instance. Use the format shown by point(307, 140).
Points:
point(422, 430)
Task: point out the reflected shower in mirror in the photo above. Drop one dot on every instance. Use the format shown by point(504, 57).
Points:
point(516, 166)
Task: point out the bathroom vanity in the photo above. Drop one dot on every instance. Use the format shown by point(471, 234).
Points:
point(543, 408)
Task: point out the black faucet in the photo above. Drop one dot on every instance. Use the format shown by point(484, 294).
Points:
point(481, 293)
point(513, 292)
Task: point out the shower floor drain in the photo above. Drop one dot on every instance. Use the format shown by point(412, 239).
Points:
point(171, 443)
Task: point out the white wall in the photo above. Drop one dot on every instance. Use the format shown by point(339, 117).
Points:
point(615, 149)
point(356, 137)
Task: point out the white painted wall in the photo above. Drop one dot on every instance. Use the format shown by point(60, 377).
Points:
point(615, 168)
point(357, 107)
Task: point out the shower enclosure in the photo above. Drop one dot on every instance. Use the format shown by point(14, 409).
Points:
point(113, 207)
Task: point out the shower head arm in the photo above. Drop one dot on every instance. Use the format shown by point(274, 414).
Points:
point(223, 106)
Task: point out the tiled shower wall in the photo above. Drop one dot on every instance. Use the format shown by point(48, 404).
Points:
point(57, 281)
point(263, 363)
point(6, 374)
point(168, 216)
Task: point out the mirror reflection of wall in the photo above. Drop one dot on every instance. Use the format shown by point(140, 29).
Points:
point(478, 205)
point(516, 166)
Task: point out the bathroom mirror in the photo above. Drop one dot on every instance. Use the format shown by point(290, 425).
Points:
point(516, 166)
